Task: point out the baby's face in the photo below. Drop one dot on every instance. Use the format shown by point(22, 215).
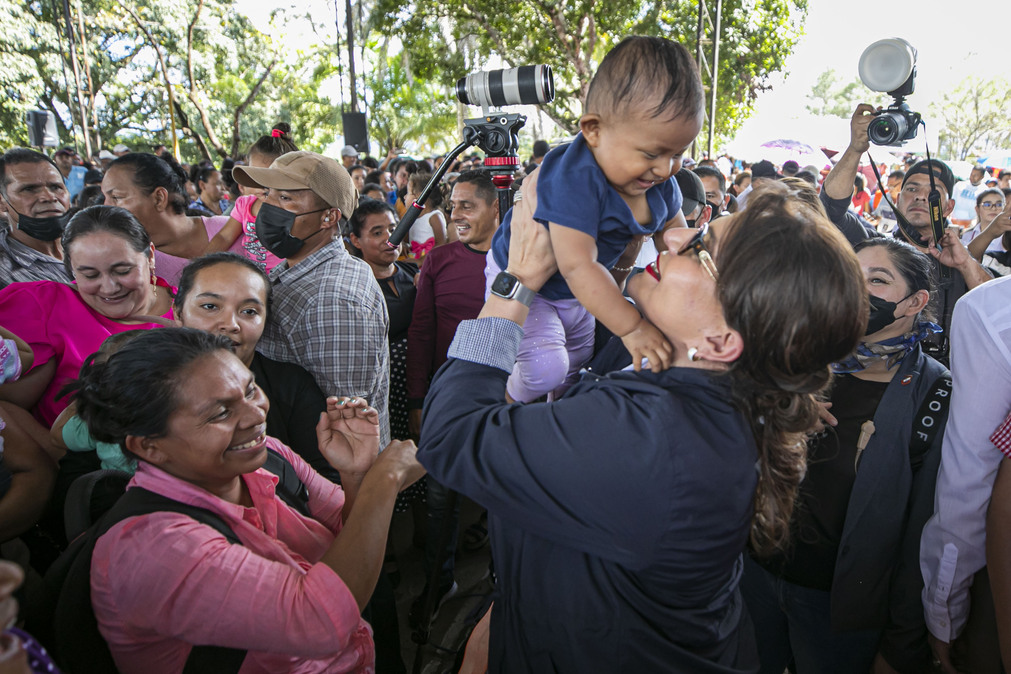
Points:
point(636, 151)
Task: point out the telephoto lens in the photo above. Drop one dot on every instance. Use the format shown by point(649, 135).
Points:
point(525, 85)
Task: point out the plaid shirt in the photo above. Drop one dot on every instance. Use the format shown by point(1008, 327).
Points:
point(329, 316)
point(18, 263)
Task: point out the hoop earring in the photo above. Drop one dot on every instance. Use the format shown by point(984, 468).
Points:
point(693, 354)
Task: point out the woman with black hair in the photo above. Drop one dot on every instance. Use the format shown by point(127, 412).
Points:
point(370, 226)
point(227, 294)
point(844, 595)
point(291, 592)
point(154, 190)
point(111, 259)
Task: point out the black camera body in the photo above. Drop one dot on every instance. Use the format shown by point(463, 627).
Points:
point(894, 125)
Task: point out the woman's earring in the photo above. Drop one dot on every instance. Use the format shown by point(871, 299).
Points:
point(693, 353)
point(154, 279)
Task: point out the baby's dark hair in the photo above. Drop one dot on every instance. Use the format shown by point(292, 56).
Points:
point(134, 391)
point(274, 144)
point(647, 71)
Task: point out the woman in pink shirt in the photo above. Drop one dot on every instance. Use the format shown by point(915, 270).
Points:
point(111, 259)
point(154, 190)
point(291, 594)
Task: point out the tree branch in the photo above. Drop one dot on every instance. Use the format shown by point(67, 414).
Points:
point(185, 127)
point(242, 107)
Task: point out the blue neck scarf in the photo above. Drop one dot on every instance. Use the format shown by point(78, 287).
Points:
point(892, 351)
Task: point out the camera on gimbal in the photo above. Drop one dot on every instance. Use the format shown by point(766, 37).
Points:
point(496, 133)
point(890, 66)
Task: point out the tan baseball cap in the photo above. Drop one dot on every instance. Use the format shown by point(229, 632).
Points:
point(326, 177)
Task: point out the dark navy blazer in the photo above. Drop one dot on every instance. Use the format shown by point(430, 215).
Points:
point(617, 514)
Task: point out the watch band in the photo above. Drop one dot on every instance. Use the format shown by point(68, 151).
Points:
point(509, 287)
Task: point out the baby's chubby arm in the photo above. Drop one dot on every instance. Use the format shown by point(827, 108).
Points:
point(591, 283)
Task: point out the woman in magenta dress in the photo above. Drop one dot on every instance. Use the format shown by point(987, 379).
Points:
point(111, 259)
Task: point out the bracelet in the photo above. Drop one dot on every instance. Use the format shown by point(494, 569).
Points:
point(623, 270)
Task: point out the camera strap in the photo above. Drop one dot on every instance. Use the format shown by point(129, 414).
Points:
point(933, 206)
point(905, 226)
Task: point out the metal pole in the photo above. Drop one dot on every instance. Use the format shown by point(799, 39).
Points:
point(351, 57)
point(77, 75)
point(700, 57)
point(714, 75)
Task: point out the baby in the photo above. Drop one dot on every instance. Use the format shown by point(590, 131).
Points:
point(611, 185)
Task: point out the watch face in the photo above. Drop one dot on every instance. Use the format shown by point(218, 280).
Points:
point(503, 284)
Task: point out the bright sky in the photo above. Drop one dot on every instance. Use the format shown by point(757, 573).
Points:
point(950, 47)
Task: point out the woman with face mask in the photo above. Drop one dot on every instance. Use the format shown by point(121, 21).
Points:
point(844, 596)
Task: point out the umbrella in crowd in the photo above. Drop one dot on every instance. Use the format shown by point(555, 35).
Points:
point(1000, 159)
point(785, 149)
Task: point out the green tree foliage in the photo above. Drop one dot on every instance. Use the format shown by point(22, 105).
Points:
point(831, 97)
point(229, 80)
point(402, 108)
point(973, 117)
point(447, 39)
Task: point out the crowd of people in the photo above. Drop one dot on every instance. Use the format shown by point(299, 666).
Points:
point(721, 417)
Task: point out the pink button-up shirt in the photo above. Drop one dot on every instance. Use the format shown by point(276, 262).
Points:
point(163, 582)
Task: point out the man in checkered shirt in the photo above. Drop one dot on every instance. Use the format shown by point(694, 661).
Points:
point(328, 313)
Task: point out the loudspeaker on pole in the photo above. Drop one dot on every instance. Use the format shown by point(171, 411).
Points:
point(356, 132)
point(42, 129)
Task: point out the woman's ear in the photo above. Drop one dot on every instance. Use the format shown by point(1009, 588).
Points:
point(724, 346)
point(918, 302)
point(146, 449)
point(160, 195)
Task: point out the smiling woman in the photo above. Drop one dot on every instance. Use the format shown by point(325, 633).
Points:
point(110, 258)
point(226, 294)
point(191, 412)
point(633, 495)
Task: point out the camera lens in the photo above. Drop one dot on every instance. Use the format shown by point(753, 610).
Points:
point(888, 128)
point(526, 85)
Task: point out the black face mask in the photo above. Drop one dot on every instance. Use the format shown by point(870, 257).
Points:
point(43, 229)
point(273, 228)
point(717, 211)
point(883, 313)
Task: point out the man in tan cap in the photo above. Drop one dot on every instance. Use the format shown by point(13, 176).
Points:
point(328, 313)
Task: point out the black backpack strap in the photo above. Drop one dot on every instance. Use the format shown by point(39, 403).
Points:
point(89, 497)
point(933, 411)
point(80, 647)
point(290, 488)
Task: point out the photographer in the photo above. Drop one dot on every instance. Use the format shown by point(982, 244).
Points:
point(914, 218)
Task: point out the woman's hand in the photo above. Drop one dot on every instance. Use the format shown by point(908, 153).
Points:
point(399, 459)
point(348, 434)
point(531, 258)
point(825, 416)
